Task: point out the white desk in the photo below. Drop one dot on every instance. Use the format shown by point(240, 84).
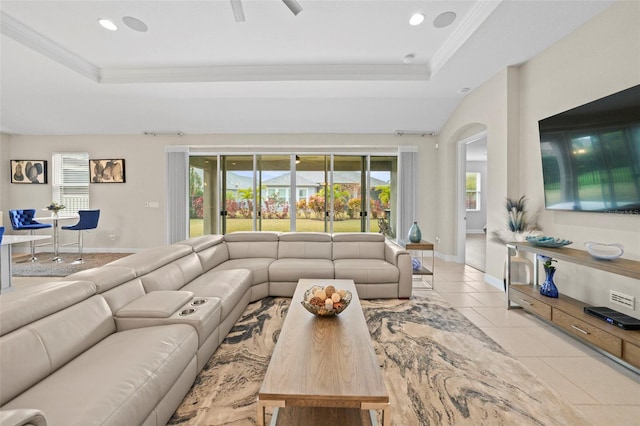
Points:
point(56, 241)
point(5, 257)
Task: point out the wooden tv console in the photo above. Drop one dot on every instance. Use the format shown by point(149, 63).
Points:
point(567, 313)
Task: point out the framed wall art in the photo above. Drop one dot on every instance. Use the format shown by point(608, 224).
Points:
point(107, 171)
point(28, 171)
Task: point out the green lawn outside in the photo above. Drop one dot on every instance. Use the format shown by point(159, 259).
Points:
point(282, 225)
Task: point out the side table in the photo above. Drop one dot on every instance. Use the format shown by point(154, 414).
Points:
point(423, 246)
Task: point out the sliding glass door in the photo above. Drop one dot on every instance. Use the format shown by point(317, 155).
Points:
point(289, 192)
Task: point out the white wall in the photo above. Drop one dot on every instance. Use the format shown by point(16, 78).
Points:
point(124, 215)
point(486, 107)
point(598, 59)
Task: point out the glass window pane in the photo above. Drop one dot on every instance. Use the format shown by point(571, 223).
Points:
point(238, 193)
point(348, 181)
point(311, 206)
point(274, 181)
point(203, 198)
point(382, 194)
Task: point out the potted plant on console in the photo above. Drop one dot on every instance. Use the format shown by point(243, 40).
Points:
point(519, 227)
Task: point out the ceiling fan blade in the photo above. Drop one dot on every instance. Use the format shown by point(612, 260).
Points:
point(238, 11)
point(293, 6)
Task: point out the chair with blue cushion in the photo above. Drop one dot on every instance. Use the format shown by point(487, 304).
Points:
point(22, 220)
point(88, 220)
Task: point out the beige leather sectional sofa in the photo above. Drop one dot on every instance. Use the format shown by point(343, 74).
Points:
point(123, 343)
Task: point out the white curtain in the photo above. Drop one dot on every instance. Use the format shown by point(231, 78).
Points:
point(177, 194)
point(407, 190)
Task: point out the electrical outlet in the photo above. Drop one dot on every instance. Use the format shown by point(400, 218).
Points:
point(622, 299)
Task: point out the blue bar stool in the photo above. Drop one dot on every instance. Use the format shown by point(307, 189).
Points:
point(22, 220)
point(88, 220)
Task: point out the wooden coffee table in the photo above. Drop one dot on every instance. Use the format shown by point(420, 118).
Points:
point(323, 366)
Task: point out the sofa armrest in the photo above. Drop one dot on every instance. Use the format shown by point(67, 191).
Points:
point(401, 258)
point(22, 417)
point(157, 304)
point(392, 251)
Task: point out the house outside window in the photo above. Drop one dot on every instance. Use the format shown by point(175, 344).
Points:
point(70, 180)
point(473, 192)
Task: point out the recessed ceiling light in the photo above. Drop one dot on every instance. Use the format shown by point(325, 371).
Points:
point(108, 24)
point(135, 24)
point(444, 19)
point(416, 19)
point(409, 58)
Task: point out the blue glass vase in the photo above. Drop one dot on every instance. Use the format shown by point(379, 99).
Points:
point(415, 235)
point(548, 287)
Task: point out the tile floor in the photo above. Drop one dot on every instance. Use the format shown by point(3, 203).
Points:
point(604, 391)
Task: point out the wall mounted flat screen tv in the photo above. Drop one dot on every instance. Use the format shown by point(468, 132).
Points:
point(591, 155)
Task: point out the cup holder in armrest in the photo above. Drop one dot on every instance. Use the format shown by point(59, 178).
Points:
point(186, 312)
point(198, 302)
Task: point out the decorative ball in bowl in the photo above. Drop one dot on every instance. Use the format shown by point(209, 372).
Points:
point(326, 301)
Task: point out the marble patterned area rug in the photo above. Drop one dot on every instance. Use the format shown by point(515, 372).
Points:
point(439, 369)
point(45, 267)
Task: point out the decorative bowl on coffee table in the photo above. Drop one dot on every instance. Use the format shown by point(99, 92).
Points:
point(316, 299)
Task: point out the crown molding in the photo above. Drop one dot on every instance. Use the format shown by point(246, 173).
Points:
point(265, 73)
point(36, 41)
point(476, 16)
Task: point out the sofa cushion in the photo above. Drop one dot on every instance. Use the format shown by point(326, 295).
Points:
point(118, 381)
point(20, 308)
point(357, 245)
point(51, 342)
point(366, 271)
point(291, 270)
point(213, 256)
point(229, 286)
point(203, 242)
point(151, 259)
point(259, 267)
point(173, 275)
point(249, 244)
point(106, 277)
point(304, 245)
